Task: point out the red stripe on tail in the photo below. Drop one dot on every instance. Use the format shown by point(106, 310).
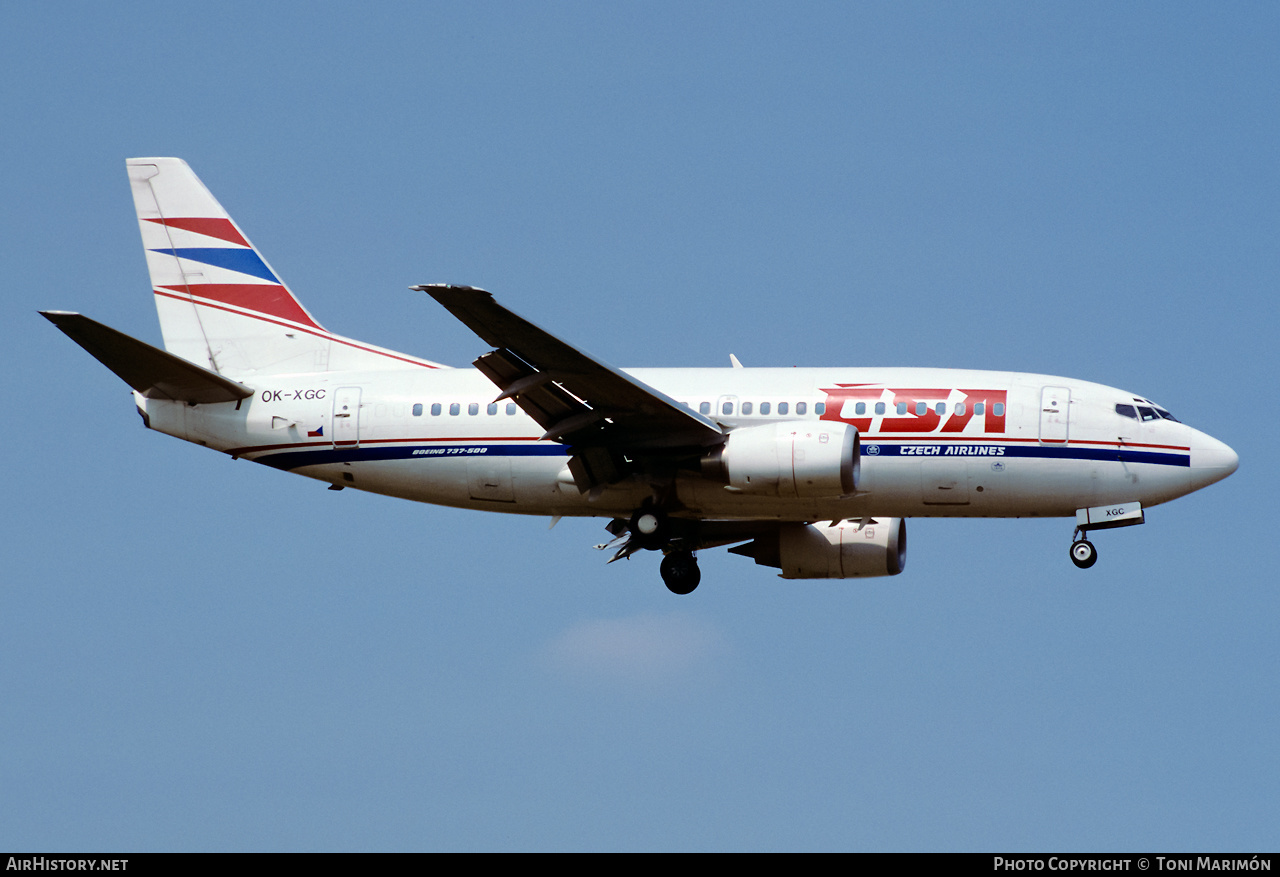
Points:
point(265, 298)
point(214, 227)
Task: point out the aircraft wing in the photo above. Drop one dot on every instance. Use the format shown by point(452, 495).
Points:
point(579, 400)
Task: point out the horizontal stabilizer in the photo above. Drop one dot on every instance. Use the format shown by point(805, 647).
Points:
point(151, 371)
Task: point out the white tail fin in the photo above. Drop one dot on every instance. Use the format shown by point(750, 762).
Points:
point(221, 305)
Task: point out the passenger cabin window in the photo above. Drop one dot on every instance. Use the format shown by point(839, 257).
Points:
point(765, 407)
point(998, 409)
point(921, 408)
point(704, 407)
point(417, 409)
point(860, 408)
point(747, 408)
point(511, 408)
point(473, 408)
point(492, 409)
point(940, 408)
point(979, 408)
point(879, 408)
point(455, 408)
point(435, 409)
point(782, 408)
point(802, 408)
point(726, 408)
point(959, 409)
point(820, 408)
point(902, 407)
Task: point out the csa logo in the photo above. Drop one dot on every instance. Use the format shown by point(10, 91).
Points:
point(997, 467)
point(873, 450)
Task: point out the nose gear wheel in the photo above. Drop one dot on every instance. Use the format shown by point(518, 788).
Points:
point(1083, 554)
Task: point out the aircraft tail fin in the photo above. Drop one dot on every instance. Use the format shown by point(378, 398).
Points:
point(221, 305)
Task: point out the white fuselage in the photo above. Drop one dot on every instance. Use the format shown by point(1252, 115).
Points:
point(760, 459)
point(946, 442)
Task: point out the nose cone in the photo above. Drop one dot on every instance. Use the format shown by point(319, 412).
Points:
point(1211, 460)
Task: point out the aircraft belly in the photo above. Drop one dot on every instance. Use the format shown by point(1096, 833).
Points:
point(956, 487)
point(528, 485)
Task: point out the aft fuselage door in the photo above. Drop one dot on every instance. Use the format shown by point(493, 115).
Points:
point(1055, 415)
point(346, 416)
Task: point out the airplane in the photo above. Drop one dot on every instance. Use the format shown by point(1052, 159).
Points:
point(811, 471)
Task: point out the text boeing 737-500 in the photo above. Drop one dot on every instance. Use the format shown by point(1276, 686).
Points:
point(809, 470)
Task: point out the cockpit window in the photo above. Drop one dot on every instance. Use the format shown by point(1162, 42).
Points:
point(1148, 410)
point(1160, 412)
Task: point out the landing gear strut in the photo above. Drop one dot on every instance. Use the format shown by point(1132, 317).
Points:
point(680, 572)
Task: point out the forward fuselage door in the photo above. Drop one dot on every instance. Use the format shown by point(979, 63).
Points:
point(1055, 415)
point(346, 416)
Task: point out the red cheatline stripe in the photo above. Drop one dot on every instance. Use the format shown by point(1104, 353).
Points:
point(322, 333)
point(214, 227)
point(262, 297)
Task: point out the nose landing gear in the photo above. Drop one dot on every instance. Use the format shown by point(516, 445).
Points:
point(1083, 554)
point(1105, 517)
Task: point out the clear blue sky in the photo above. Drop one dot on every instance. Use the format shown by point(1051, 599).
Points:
point(200, 654)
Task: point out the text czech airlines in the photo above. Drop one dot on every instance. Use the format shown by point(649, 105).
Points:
point(951, 451)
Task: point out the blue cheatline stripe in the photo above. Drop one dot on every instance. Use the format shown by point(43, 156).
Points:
point(234, 259)
point(999, 452)
point(315, 457)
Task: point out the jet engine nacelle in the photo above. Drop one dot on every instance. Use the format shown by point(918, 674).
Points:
point(817, 551)
point(789, 459)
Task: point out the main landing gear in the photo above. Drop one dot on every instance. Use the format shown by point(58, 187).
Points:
point(680, 572)
point(650, 528)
